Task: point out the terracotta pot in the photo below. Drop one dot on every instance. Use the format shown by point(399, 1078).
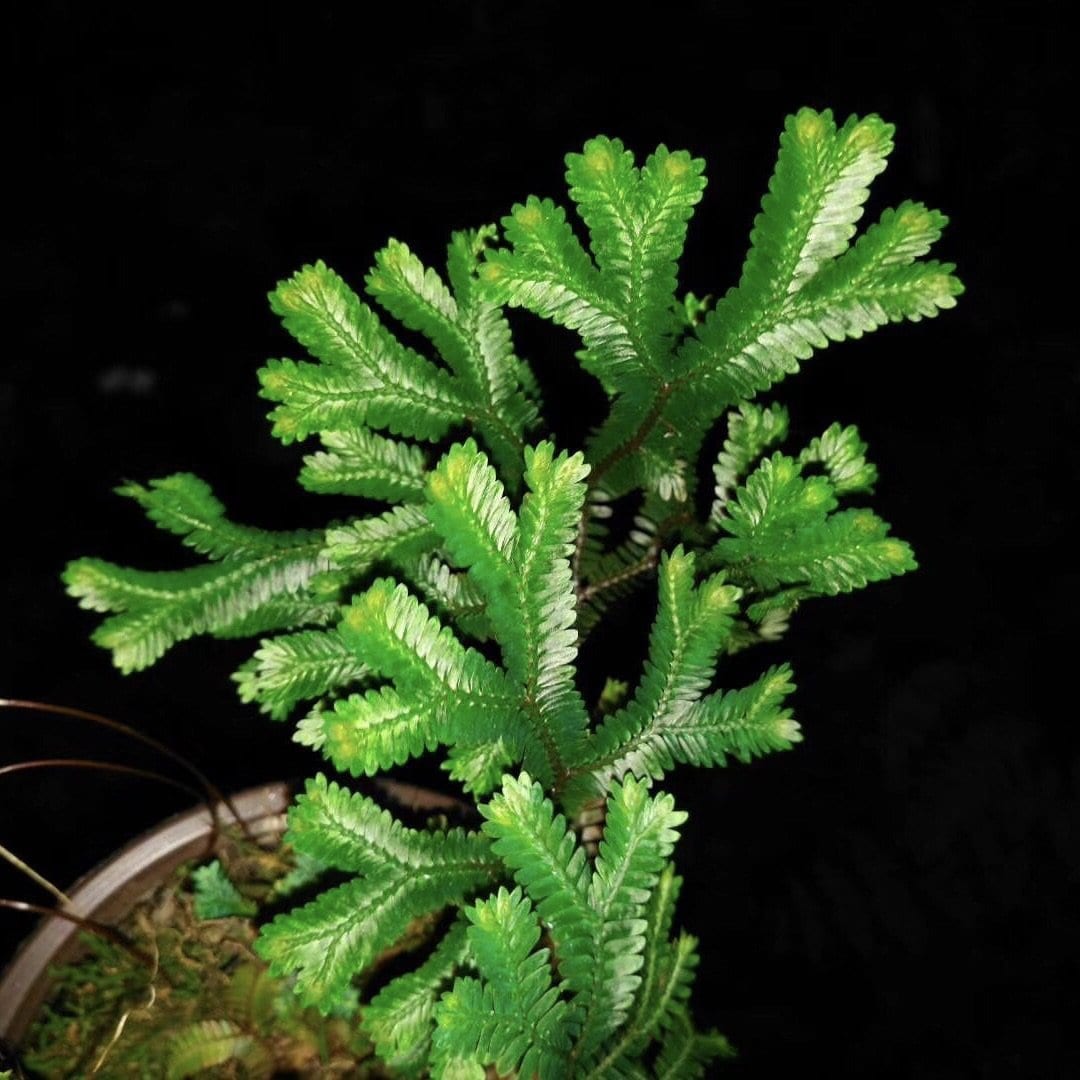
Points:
point(110, 892)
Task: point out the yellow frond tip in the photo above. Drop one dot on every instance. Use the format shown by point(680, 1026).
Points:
point(274, 381)
point(676, 167)
point(864, 135)
point(915, 220)
point(810, 126)
point(491, 272)
point(529, 216)
point(599, 159)
point(894, 551)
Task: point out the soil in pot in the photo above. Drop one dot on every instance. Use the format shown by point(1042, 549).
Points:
point(200, 1002)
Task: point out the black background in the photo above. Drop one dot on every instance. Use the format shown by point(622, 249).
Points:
point(892, 899)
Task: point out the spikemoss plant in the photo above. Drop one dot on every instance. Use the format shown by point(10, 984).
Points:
point(556, 957)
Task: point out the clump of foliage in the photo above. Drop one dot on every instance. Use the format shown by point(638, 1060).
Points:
point(451, 621)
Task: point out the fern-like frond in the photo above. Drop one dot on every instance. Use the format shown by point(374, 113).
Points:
point(328, 941)
point(687, 1054)
point(455, 595)
point(898, 238)
point(621, 1055)
point(545, 858)
point(637, 226)
point(691, 628)
point(479, 767)
point(349, 831)
point(207, 1043)
point(816, 195)
point(400, 1019)
point(186, 506)
point(359, 462)
point(550, 273)
point(523, 568)
point(550, 513)
point(744, 723)
point(156, 609)
point(470, 510)
point(639, 834)
point(842, 454)
point(740, 723)
point(291, 668)
point(662, 1002)
point(287, 612)
point(752, 429)
point(366, 376)
point(782, 532)
point(802, 286)
point(216, 897)
point(512, 1017)
point(403, 533)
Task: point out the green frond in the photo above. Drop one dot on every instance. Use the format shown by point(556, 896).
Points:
point(545, 858)
point(401, 534)
point(400, 1019)
point(842, 454)
point(349, 831)
point(479, 768)
point(328, 941)
point(418, 297)
point(691, 628)
point(752, 429)
point(366, 733)
point(470, 332)
point(542, 653)
point(816, 195)
point(468, 506)
point(207, 1043)
point(639, 836)
point(657, 983)
point(359, 462)
point(291, 668)
point(156, 609)
point(401, 640)
point(286, 612)
point(899, 237)
point(637, 225)
point(782, 533)
point(777, 498)
point(512, 1017)
point(186, 506)
point(744, 723)
point(366, 376)
point(549, 273)
point(216, 897)
point(686, 1054)
point(661, 1000)
point(457, 596)
point(523, 569)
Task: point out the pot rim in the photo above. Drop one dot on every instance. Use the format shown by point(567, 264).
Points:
point(110, 891)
